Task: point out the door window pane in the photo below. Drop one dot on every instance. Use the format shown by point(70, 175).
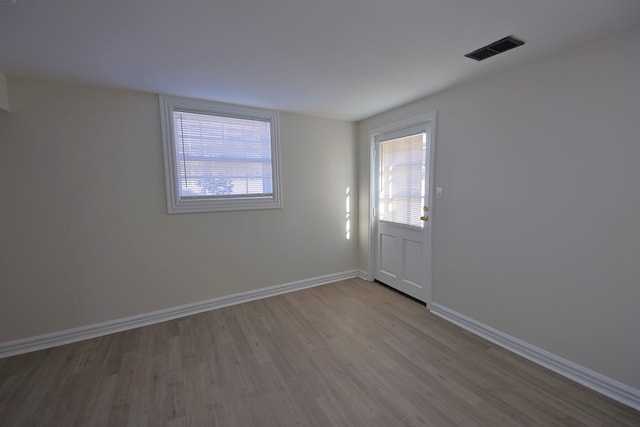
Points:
point(402, 183)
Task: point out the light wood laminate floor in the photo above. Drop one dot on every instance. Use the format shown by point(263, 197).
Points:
point(351, 353)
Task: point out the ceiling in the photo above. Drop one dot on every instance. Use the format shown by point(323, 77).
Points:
point(343, 59)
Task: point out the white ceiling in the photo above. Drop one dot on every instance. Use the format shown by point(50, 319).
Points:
point(345, 59)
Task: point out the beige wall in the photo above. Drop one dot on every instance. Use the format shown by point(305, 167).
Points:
point(538, 233)
point(85, 233)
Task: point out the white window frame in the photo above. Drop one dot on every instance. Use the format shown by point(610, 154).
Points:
point(177, 204)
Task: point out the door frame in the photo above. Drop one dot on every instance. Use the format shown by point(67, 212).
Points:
point(373, 192)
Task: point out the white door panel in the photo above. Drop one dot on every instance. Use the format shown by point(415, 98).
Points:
point(412, 264)
point(387, 252)
point(400, 260)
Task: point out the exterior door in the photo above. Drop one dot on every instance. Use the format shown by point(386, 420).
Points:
point(402, 250)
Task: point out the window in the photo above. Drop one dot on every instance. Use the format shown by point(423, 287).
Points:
point(219, 157)
point(402, 178)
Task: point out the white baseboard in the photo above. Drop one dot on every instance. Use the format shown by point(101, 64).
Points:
point(40, 342)
point(593, 380)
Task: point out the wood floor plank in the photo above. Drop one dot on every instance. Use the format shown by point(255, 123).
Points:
point(349, 353)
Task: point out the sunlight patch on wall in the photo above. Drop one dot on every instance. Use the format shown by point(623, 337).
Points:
point(348, 214)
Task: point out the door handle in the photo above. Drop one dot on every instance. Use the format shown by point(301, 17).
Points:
point(425, 217)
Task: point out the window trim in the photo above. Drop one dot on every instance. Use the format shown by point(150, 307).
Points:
point(177, 204)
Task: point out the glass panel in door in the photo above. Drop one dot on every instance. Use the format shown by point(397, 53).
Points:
point(402, 184)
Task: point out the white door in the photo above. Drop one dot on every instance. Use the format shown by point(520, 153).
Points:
point(402, 249)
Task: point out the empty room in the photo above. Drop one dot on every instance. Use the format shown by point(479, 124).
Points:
point(279, 213)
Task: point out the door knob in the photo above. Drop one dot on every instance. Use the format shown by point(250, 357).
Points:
point(425, 218)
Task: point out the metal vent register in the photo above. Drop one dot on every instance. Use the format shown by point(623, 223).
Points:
point(495, 48)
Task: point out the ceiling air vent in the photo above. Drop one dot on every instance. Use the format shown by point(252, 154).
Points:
point(495, 48)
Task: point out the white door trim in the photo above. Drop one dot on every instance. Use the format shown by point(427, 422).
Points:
point(373, 190)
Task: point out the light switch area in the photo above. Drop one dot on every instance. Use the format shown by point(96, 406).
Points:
point(438, 192)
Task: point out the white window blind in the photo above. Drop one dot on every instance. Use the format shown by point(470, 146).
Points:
point(402, 172)
point(219, 156)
